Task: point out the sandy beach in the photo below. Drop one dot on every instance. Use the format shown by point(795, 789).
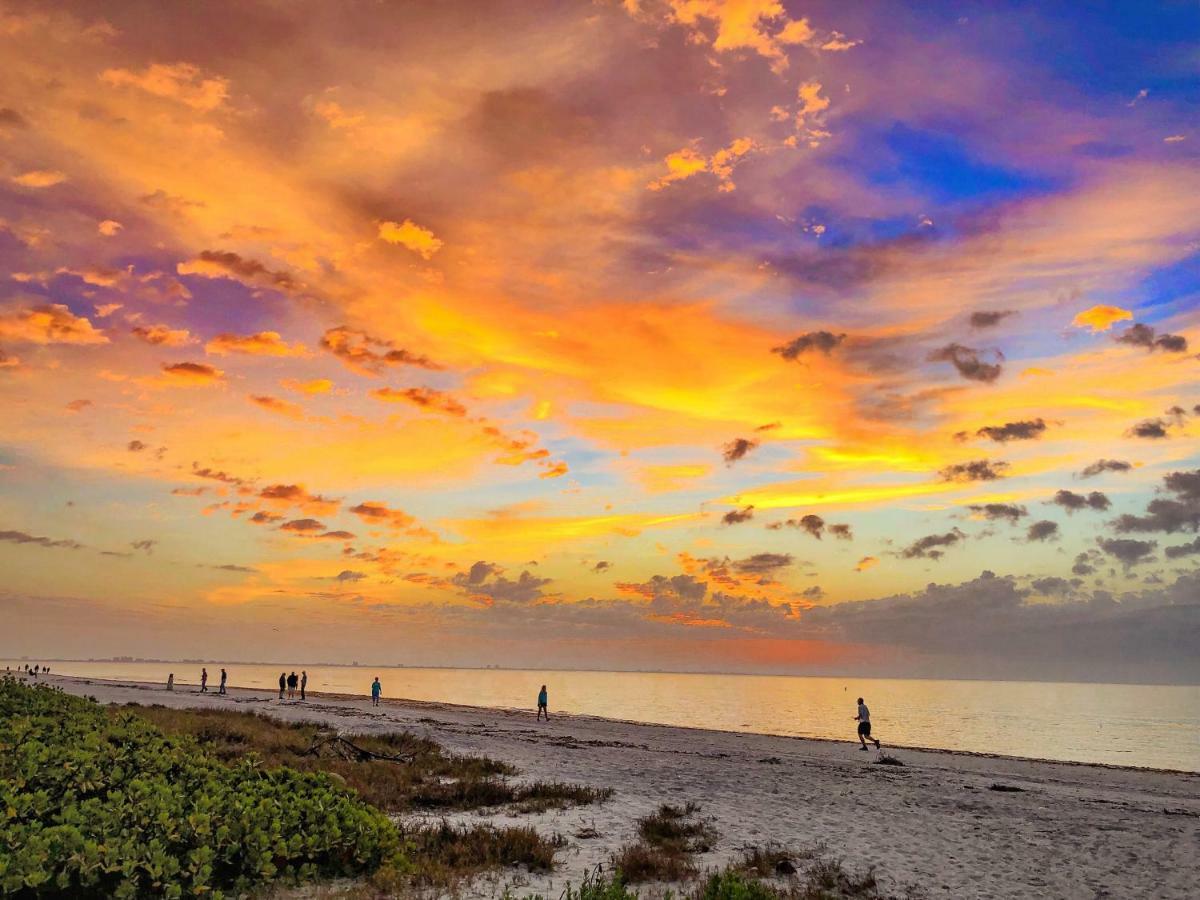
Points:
point(937, 823)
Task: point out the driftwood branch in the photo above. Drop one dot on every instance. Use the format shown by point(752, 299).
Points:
point(337, 745)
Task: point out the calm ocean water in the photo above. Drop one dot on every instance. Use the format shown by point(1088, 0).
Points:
point(1133, 725)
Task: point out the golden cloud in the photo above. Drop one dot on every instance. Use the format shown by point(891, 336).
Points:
point(263, 343)
point(275, 405)
point(379, 514)
point(39, 178)
point(50, 323)
point(1101, 318)
point(411, 235)
point(192, 374)
point(181, 82)
point(424, 397)
point(162, 335)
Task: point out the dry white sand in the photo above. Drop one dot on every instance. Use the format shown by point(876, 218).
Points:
point(1073, 830)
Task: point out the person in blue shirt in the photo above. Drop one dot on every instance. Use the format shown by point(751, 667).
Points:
point(376, 690)
point(543, 704)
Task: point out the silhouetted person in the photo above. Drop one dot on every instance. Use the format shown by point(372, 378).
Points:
point(282, 684)
point(543, 704)
point(376, 690)
point(292, 681)
point(171, 682)
point(303, 682)
point(224, 678)
point(204, 681)
point(864, 725)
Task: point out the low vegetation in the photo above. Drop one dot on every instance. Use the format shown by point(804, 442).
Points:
point(107, 805)
point(398, 773)
point(442, 854)
point(428, 778)
point(813, 877)
point(669, 838)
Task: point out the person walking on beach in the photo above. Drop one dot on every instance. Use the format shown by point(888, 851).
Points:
point(204, 681)
point(292, 681)
point(171, 682)
point(864, 725)
point(282, 684)
point(303, 682)
point(376, 690)
point(224, 678)
point(543, 704)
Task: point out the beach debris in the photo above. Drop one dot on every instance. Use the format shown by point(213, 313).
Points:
point(785, 867)
point(772, 761)
point(332, 743)
point(1006, 788)
point(886, 759)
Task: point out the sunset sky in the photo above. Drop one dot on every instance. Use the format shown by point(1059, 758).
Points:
point(738, 336)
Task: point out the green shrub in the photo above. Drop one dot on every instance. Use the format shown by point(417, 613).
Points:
point(99, 805)
point(733, 885)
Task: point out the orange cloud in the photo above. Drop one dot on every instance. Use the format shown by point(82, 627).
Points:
point(162, 335)
point(263, 343)
point(49, 324)
point(39, 178)
point(424, 397)
point(181, 82)
point(275, 405)
point(411, 235)
point(380, 514)
point(194, 374)
point(1101, 318)
point(286, 496)
point(762, 26)
point(685, 163)
point(369, 355)
point(226, 264)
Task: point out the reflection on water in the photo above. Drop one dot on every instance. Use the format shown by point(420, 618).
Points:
point(1133, 725)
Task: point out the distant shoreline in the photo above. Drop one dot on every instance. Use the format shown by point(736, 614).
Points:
point(857, 676)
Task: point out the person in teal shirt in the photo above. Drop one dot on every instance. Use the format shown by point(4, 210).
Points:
point(376, 690)
point(543, 704)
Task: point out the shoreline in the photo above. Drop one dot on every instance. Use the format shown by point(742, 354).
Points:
point(953, 824)
point(514, 710)
point(465, 668)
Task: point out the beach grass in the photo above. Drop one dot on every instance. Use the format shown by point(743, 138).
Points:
point(668, 840)
point(815, 877)
point(396, 772)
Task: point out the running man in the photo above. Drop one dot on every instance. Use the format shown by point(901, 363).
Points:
point(224, 678)
point(864, 725)
point(376, 690)
point(543, 704)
